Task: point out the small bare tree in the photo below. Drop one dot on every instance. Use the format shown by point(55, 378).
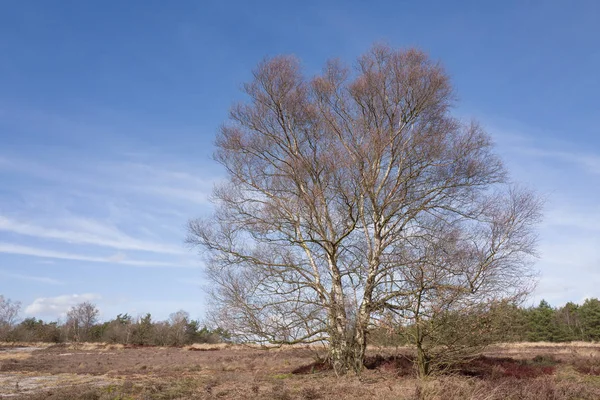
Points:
point(80, 320)
point(341, 189)
point(178, 322)
point(458, 271)
point(9, 312)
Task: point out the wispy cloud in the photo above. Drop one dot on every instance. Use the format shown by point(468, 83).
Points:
point(162, 182)
point(39, 279)
point(582, 220)
point(58, 306)
point(568, 175)
point(587, 161)
point(177, 193)
point(192, 281)
point(93, 233)
point(118, 258)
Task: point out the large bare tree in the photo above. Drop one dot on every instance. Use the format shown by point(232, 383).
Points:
point(355, 192)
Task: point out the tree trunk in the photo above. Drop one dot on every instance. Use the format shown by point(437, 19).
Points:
point(359, 347)
point(338, 339)
point(347, 349)
point(347, 353)
point(338, 354)
point(360, 333)
point(422, 361)
point(339, 349)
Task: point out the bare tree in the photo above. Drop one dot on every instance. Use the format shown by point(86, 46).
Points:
point(178, 322)
point(80, 320)
point(341, 189)
point(9, 311)
point(458, 270)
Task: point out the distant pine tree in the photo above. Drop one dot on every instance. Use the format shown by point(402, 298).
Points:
point(589, 314)
point(542, 323)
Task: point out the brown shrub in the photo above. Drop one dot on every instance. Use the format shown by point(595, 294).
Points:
point(311, 393)
point(503, 367)
point(314, 367)
point(543, 388)
point(587, 366)
point(280, 392)
point(401, 365)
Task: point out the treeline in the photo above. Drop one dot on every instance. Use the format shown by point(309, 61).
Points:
point(82, 325)
point(509, 323)
point(502, 323)
point(568, 323)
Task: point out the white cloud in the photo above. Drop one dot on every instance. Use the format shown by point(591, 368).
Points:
point(40, 279)
point(116, 259)
point(56, 307)
point(90, 232)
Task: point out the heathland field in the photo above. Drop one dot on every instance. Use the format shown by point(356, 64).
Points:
point(98, 371)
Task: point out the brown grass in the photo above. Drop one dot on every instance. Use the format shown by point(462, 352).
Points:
point(102, 372)
point(13, 356)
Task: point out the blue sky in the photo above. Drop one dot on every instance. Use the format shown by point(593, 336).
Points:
point(108, 112)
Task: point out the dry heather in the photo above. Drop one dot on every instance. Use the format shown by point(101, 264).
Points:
point(108, 372)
